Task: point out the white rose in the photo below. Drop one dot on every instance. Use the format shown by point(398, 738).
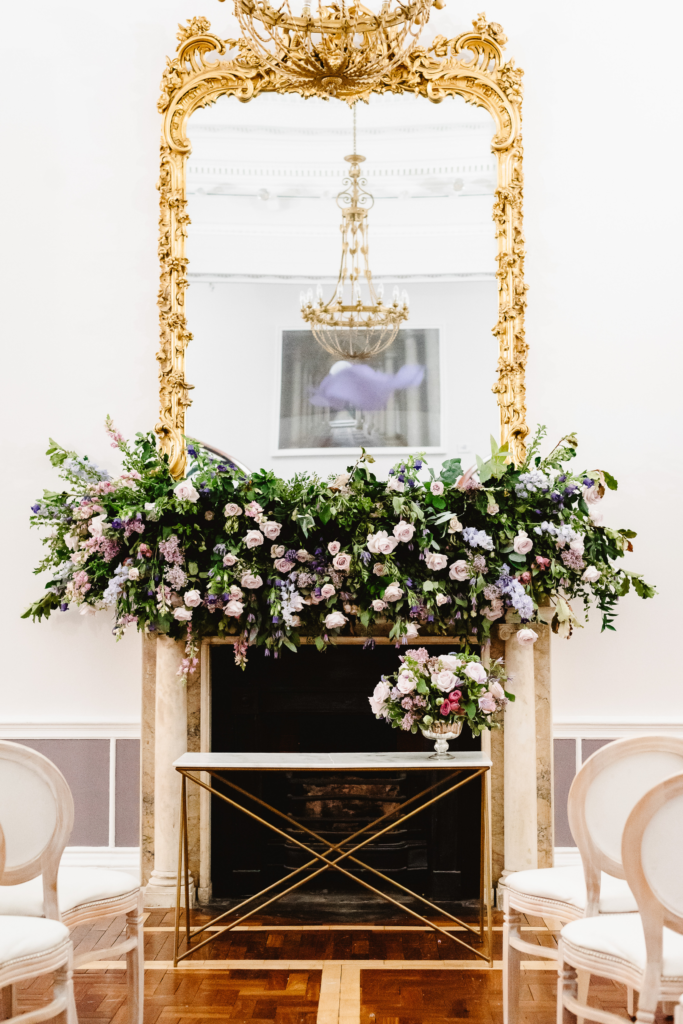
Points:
point(411, 631)
point(450, 661)
point(497, 691)
point(381, 691)
point(182, 614)
point(596, 516)
point(234, 609)
point(251, 582)
point(454, 526)
point(522, 543)
point(404, 531)
point(96, 525)
point(296, 603)
point(441, 599)
point(406, 682)
point(445, 680)
point(435, 561)
point(192, 598)
point(393, 592)
point(526, 637)
point(459, 570)
point(591, 574)
point(396, 485)
point(229, 560)
point(184, 491)
point(253, 538)
point(476, 671)
point(335, 620)
point(133, 573)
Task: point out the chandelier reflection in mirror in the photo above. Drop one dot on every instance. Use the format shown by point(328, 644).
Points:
point(336, 49)
point(346, 326)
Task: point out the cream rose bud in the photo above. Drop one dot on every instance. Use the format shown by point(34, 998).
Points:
point(234, 609)
point(341, 480)
point(251, 582)
point(404, 531)
point(435, 561)
point(335, 620)
point(497, 691)
point(192, 598)
point(406, 682)
point(229, 560)
point(327, 591)
point(493, 508)
point(277, 550)
point(436, 487)
point(393, 592)
point(459, 570)
point(133, 573)
point(382, 691)
point(476, 671)
point(444, 680)
point(334, 547)
point(379, 569)
point(526, 637)
point(487, 703)
point(577, 545)
point(342, 563)
point(184, 491)
point(302, 555)
point(592, 494)
point(411, 631)
point(378, 606)
point(396, 485)
point(271, 530)
point(231, 509)
point(454, 526)
point(283, 565)
point(450, 661)
point(441, 599)
point(493, 611)
point(253, 538)
point(522, 543)
point(182, 614)
point(590, 575)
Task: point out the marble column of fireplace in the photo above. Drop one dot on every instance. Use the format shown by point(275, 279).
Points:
point(522, 751)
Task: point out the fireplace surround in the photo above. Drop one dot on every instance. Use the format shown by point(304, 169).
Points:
point(176, 718)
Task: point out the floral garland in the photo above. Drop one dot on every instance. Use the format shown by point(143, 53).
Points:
point(449, 688)
point(265, 560)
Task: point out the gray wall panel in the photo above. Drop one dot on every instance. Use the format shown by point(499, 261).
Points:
point(564, 770)
point(128, 792)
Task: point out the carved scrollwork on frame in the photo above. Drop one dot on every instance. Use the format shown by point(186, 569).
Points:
point(471, 65)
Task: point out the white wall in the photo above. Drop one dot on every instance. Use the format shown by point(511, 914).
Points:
point(79, 273)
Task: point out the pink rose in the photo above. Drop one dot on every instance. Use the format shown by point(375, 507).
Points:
point(234, 609)
point(381, 543)
point(251, 582)
point(406, 681)
point(145, 551)
point(476, 671)
point(379, 569)
point(193, 598)
point(435, 561)
point(253, 538)
point(404, 531)
point(487, 703)
point(271, 530)
point(335, 620)
point(493, 611)
point(342, 563)
point(444, 680)
point(459, 570)
point(450, 661)
point(231, 509)
point(229, 559)
point(436, 487)
point(524, 577)
point(277, 550)
point(445, 708)
point(542, 563)
point(526, 637)
point(283, 565)
point(253, 509)
point(327, 591)
point(182, 614)
point(334, 547)
point(302, 555)
point(185, 491)
point(591, 574)
point(379, 606)
point(235, 593)
point(393, 592)
point(593, 494)
point(411, 631)
point(497, 691)
point(441, 599)
point(522, 543)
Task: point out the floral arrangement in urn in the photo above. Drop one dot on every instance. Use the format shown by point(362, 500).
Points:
point(265, 560)
point(437, 694)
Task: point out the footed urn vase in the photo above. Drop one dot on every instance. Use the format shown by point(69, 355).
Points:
point(442, 732)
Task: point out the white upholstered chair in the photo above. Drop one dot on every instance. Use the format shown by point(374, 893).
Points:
point(645, 950)
point(32, 946)
point(601, 798)
point(32, 792)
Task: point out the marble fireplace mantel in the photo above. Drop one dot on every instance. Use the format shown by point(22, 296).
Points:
point(176, 718)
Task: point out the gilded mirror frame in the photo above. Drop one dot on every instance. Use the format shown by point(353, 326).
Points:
point(471, 66)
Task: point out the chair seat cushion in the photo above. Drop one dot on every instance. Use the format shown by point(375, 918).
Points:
point(75, 887)
point(620, 937)
point(567, 885)
point(22, 937)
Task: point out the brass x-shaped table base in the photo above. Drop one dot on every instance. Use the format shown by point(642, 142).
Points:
point(332, 859)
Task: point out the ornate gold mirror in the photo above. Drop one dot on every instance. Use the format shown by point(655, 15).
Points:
point(255, 182)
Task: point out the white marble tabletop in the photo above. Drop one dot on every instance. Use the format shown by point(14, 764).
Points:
point(316, 762)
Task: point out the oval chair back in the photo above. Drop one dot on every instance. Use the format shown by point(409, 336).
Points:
point(603, 794)
point(37, 814)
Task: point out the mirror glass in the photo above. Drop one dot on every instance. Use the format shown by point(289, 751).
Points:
point(263, 180)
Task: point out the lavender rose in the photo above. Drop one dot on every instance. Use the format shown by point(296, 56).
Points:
point(450, 662)
point(251, 582)
point(487, 703)
point(379, 569)
point(436, 561)
point(404, 531)
point(444, 680)
point(193, 598)
point(441, 599)
point(406, 682)
point(283, 565)
point(327, 591)
point(342, 563)
point(335, 620)
point(334, 547)
point(381, 543)
point(436, 487)
point(393, 592)
point(253, 538)
point(459, 570)
point(271, 530)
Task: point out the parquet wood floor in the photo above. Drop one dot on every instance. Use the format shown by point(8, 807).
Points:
point(397, 991)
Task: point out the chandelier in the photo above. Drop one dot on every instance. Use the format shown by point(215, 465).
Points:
point(346, 326)
point(334, 50)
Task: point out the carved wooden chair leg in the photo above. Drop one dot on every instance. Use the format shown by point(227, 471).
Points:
point(511, 962)
point(64, 987)
point(135, 958)
point(567, 985)
point(631, 1002)
point(583, 986)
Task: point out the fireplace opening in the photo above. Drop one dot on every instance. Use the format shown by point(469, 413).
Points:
point(313, 702)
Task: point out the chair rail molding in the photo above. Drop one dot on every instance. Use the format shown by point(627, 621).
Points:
point(70, 730)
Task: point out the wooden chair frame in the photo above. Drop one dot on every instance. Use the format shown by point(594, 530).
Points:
point(655, 916)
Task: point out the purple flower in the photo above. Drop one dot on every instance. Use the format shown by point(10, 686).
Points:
point(366, 556)
point(291, 555)
point(587, 482)
point(418, 464)
point(63, 607)
point(117, 524)
point(401, 477)
point(191, 451)
point(35, 508)
point(391, 472)
point(275, 619)
point(221, 468)
point(409, 583)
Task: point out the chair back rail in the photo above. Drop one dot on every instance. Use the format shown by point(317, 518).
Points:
point(37, 814)
point(603, 794)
